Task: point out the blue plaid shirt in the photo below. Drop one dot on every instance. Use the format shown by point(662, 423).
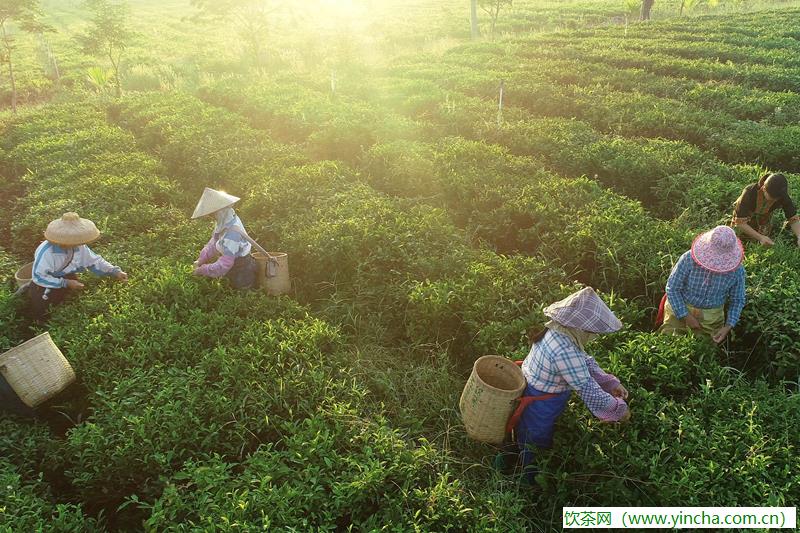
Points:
point(556, 364)
point(689, 283)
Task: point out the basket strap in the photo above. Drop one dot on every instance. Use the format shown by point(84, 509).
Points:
point(660, 314)
point(524, 402)
point(22, 289)
point(251, 241)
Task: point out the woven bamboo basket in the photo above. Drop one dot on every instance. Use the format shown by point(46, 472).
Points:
point(490, 397)
point(36, 370)
point(24, 274)
point(279, 283)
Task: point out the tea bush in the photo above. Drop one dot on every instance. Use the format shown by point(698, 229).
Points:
point(10, 334)
point(333, 472)
point(68, 165)
point(488, 309)
point(328, 127)
point(180, 128)
point(767, 320)
point(699, 435)
point(630, 114)
point(184, 316)
point(167, 394)
point(369, 245)
point(671, 366)
point(424, 230)
point(28, 506)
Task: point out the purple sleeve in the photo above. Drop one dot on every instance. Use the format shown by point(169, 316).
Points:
point(217, 269)
point(602, 404)
point(208, 252)
point(608, 382)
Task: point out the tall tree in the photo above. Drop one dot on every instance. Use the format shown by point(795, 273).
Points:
point(26, 14)
point(251, 18)
point(492, 8)
point(688, 5)
point(475, 31)
point(108, 34)
point(647, 5)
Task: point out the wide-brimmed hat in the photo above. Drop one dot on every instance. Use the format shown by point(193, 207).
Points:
point(71, 230)
point(718, 250)
point(584, 310)
point(212, 201)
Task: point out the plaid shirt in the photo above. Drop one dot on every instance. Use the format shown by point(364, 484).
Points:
point(556, 364)
point(689, 283)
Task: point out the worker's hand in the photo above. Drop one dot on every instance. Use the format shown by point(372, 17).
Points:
point(620, 392)
point(121, 276)
point(626, 416)
point(798, 240)
point(766, 241)
point(721, 333)
point(74, 284)
point(196, 264)
point(692, 322)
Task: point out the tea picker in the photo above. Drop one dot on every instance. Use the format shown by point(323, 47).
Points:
point(556, 365)
point(702, 281)
point(752, 212)
point(229, 245)
point(59, 259)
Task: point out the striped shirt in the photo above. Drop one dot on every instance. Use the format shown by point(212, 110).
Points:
point(689, 283)
point(556, 364)
point(52, 262)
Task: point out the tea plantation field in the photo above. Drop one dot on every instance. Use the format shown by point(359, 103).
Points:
point(425, 227)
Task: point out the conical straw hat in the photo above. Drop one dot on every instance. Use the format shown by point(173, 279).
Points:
point(71, 230)
point(213, 200)
point(584, 310)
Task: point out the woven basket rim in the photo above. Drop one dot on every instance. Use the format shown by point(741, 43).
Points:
point(259, 255)
point(492, 387)
point(37, 338)
point(22, 268)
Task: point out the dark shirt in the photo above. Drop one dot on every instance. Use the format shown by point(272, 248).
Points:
point(746, 204)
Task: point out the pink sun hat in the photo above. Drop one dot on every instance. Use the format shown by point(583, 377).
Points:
point(584, 310)
point(718, 250)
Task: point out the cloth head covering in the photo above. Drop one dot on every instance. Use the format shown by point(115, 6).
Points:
point(71, 230)
point(213, 200)
point(584, 310)
point(580, 337)
point(224, 218)
point(718, 250)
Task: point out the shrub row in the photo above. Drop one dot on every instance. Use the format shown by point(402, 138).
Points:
point(629, 113)
point(349, 243)
point(84, 165)
point(177, 369)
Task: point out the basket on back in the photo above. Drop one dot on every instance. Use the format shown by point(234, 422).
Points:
point(36, 370)
point(24, 274)
point(490, 396)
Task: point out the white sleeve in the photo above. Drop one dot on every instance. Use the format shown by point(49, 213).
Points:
point(94, 262)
